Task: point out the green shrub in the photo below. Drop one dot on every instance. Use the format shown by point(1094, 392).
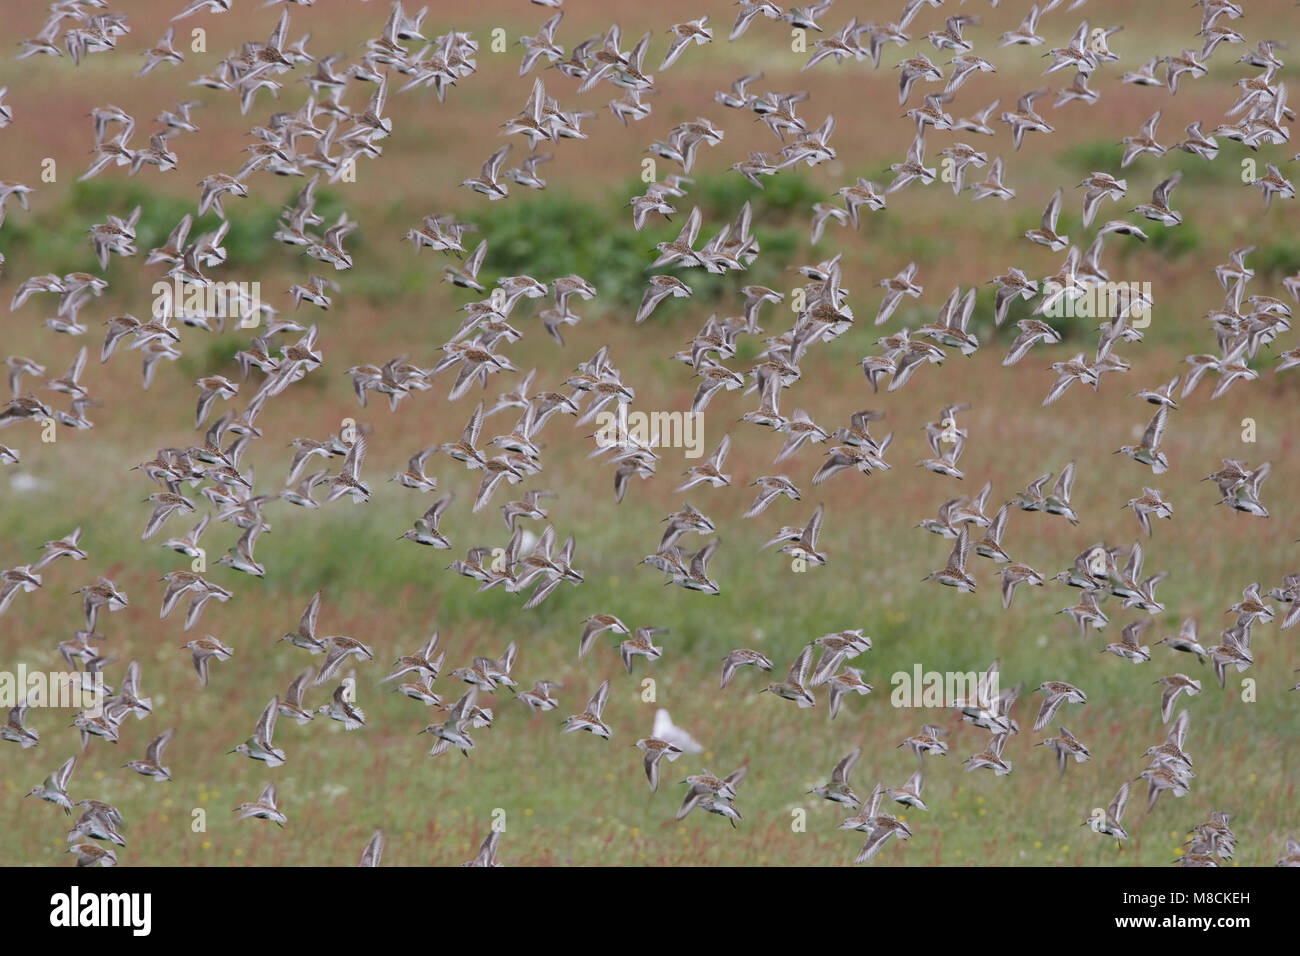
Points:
point(1276, 259)
point(1172, 241)
point(552, 234)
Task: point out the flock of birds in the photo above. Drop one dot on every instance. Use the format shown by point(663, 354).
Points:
point(324, 136)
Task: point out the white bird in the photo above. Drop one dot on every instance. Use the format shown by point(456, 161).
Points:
point(670, 733)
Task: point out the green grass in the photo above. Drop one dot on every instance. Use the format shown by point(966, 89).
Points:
point(579, 799)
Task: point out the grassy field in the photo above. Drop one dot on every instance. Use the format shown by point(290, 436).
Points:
point(575, 799)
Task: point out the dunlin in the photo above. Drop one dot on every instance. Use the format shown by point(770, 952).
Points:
point(263, 808)
point(794, 687)
point(259, 746)
point(55, 788)
point(151, 765)
point(656, 750)
point(590, 718)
